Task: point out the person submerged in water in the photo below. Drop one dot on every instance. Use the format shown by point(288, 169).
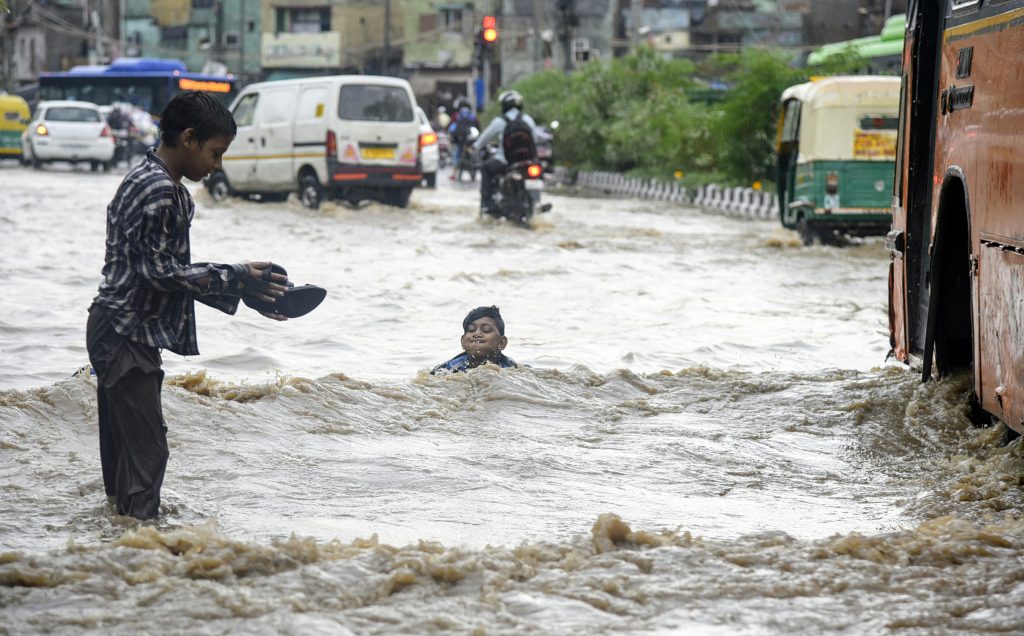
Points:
point(483, 339)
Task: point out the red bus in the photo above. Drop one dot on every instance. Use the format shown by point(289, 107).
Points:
point(956, 281)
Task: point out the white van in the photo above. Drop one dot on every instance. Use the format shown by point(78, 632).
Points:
point(351, 137)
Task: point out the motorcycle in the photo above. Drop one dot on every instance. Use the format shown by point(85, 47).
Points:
point(122, 146)
point(467, 158)
point(444, 149)
point(545, 146)
point(517, 191)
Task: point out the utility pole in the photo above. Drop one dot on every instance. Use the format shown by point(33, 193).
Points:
point(567, 22)
point(10, 19)
point(637, 18)
point(538, 43)
point(387, 38)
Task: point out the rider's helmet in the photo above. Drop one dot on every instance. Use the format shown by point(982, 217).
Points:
point(461, 103)
point(510, 100)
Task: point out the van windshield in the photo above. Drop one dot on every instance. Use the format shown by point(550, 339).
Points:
point(373, 102)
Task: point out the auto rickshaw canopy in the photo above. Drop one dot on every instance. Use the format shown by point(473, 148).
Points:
point(844, 117)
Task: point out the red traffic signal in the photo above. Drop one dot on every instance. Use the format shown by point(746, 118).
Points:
point(489, 29)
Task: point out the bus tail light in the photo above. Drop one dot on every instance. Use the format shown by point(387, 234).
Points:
point(332, 144)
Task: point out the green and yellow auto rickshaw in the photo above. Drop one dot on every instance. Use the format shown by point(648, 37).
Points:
point(836, 154)
point(14, 116)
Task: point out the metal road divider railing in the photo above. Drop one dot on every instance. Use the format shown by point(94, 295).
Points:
point(716, 199)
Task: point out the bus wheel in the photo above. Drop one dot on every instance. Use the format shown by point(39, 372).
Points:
point(807, 235)
point(310, 192)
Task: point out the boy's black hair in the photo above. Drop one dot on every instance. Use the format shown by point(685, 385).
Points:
point(200, 111)
point(491, 312)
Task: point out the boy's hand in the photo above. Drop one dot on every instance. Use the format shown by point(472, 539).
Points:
point(265, 284)
point(278, 317)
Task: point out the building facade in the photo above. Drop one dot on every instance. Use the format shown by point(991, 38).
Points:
point(215, 36)
point(54, 35)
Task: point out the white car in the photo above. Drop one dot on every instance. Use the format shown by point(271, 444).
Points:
point(430, 154)
point(68, 131)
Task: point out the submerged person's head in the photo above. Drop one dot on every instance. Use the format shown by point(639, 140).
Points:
point(483, 333)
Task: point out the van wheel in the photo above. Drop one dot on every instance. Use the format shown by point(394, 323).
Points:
point(107, 165)
point(94, 166)
point(400, 197)
point(310, 192)
point(218, 187)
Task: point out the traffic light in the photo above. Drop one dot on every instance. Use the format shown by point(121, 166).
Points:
point(489, 30)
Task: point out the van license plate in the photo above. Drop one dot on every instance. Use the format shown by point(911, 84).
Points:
point(533, 184)
point(378, 153)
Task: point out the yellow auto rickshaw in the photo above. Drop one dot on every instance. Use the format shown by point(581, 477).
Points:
point(14, 117)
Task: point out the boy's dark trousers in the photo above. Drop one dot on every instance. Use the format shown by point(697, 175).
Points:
point(133, 438)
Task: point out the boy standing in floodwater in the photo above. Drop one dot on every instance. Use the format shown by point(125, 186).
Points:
point(483, 339)
point(146, 300)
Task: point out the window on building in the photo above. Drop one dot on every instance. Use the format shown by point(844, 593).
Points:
point(306, 20)
point(428, 23)
point(231, 39)
point(450, 18)
point(174, 37)
point(202, 4)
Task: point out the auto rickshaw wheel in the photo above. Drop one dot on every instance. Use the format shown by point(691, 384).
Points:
point(807, 234)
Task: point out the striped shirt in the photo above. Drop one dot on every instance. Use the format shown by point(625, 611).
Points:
point(149, 281)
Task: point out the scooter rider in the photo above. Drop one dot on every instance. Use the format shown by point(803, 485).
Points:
point(511, 107)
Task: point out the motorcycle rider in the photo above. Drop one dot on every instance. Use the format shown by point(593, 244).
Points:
point(459, 131)
point(511, 108)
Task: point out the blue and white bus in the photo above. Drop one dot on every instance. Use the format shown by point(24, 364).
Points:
point(146, 82)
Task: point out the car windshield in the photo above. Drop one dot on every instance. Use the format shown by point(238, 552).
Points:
point(72, 113)
point(372, 102)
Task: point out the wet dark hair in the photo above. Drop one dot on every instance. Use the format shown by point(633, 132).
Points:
point(491, 312)
point(200, 111)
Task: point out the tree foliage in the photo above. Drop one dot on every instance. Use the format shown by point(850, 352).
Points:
point(637, 113)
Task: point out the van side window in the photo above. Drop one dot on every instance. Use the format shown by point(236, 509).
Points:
point(373, 102)
point(245, 111)
point(311, 104)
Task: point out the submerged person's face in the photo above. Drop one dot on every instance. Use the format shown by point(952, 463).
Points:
point(482, 339)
